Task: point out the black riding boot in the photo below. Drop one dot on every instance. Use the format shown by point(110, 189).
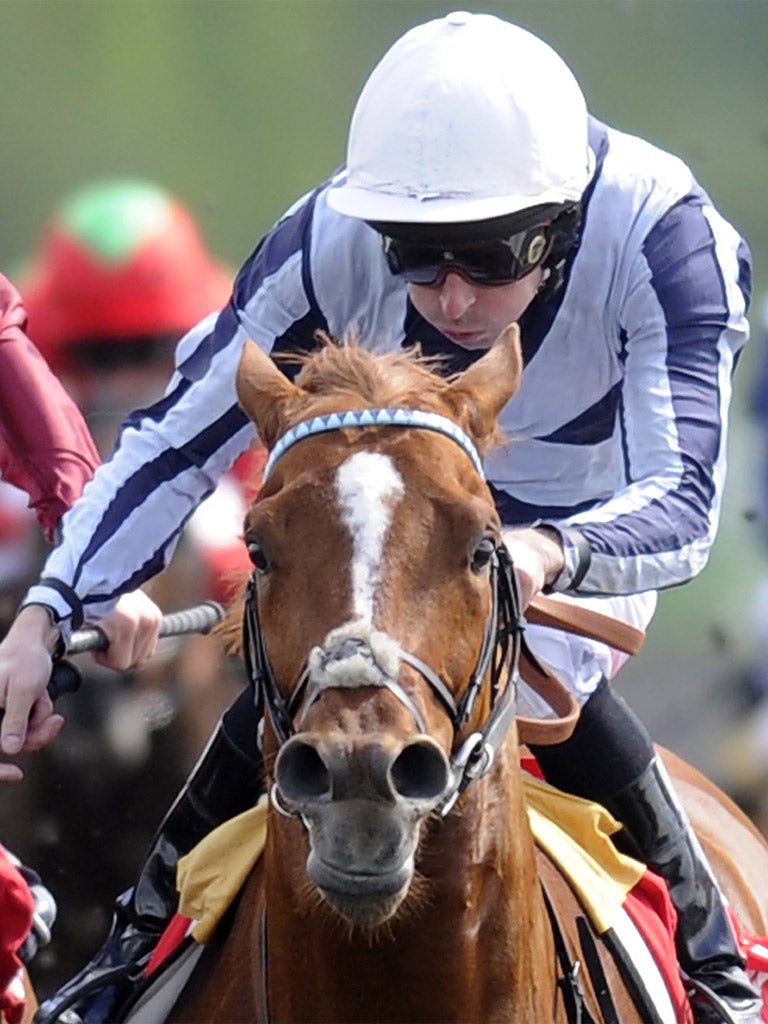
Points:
point(226, 781)
point(610, 759)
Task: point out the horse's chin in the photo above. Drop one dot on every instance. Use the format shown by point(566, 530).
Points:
point(364, 900)
point(364, 913)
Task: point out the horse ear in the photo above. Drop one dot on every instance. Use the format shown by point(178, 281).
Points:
point(264, 392)
point(482, 391)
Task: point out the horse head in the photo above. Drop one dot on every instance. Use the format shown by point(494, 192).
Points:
point(373, 614)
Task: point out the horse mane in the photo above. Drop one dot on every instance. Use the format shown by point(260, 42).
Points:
point(346, 368)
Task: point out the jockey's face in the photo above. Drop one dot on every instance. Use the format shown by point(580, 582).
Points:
point(474, 315)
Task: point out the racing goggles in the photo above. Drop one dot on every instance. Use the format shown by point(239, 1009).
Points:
point(492, 262)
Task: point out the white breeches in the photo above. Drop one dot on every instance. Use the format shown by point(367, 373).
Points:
point(580, 662)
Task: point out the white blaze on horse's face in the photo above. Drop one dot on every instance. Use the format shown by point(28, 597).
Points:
point(369, 489)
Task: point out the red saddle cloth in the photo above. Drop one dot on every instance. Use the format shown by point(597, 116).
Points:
point(170, 940)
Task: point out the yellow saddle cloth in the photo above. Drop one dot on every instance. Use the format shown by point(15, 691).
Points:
point(574, 832)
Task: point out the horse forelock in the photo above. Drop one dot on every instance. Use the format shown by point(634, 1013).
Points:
point(342, 371)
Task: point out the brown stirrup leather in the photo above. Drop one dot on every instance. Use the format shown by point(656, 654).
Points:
point(544, 681)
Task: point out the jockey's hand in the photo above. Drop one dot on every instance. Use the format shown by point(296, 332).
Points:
point(537, 557)
point(132, 630)
point(30, 722)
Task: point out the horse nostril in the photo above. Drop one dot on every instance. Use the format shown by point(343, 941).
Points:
point(300, 772)
point(420, 771)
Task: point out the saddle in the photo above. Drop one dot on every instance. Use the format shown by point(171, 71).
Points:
point(612, 919)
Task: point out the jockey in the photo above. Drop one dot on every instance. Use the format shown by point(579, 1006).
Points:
point(477, 191)
point(120, 274)
point(46, 451)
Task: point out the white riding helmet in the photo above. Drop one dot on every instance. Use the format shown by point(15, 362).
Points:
point(465, 118)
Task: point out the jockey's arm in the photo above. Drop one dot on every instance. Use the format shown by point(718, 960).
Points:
point(147, 490)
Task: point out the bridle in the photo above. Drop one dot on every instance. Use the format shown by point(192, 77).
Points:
point(499, 652)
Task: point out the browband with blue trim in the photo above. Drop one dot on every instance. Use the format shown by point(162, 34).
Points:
point(376, 418)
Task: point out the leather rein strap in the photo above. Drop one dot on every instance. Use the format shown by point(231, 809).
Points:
point(574, 618)
point(544, 681)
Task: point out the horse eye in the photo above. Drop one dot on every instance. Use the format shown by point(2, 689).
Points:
point(257, 556)
point(483, 553)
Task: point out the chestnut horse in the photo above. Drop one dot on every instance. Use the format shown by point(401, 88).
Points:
point(400, 880)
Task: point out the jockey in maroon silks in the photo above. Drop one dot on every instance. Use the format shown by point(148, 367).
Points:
point(46, 450)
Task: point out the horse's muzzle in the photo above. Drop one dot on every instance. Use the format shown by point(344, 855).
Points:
point(363, 803)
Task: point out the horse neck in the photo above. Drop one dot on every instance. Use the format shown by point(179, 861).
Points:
point(472, 943)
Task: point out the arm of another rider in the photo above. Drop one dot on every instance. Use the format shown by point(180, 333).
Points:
point(45, 446)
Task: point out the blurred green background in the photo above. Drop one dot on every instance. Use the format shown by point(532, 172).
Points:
point(240, 107)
